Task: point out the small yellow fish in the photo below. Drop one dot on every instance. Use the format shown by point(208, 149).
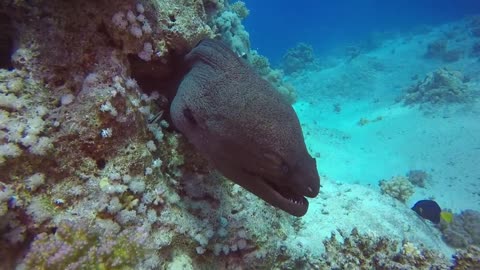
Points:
point(446, 216)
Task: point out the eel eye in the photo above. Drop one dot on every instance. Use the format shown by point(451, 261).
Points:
point(187, 113)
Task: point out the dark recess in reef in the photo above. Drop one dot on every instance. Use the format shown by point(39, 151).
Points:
point(163, 77)
point(6, 41)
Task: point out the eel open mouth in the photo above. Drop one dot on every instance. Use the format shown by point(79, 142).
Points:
point(283, 197)
point(288, 194)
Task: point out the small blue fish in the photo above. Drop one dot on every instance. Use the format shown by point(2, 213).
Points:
point(430, 210)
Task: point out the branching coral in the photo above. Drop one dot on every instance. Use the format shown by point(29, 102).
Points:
point(398, 187)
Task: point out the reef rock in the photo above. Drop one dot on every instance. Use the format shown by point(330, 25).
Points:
point(358, 251)
point(85, 137)
point(466, 259)
point(439, 87)
point(464, 230)
point(298, 58)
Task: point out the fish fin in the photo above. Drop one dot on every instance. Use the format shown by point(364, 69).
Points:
point(446, 216)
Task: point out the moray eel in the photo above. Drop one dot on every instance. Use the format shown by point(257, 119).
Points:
point(244, 127)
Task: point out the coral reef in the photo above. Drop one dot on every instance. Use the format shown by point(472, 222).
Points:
point(475, 26)
point(399, 187)
point(274, 76)
point(438, 49)
point(466, 259)
point(229, 27)
point(86, 146)
point(439, 87)
point(78, 246)
point(418, 177)
point(240, 9)
point(476, 32)
point(475, 52)
point(22, 123)
point(358, 251)
point(463, 231)
point(298, 58)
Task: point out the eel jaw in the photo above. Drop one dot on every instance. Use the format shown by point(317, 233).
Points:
point(280, 197)
point(287, 200)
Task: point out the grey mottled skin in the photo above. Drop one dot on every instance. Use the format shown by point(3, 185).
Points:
point(244, 128)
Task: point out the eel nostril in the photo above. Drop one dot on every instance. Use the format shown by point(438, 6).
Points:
point(187, 113)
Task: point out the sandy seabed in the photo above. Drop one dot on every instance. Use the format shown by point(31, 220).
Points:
point(442, 140)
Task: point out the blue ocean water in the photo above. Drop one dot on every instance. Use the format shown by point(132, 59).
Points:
point(276, 27)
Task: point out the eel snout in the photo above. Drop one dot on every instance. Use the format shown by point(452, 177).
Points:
point(289, 194)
